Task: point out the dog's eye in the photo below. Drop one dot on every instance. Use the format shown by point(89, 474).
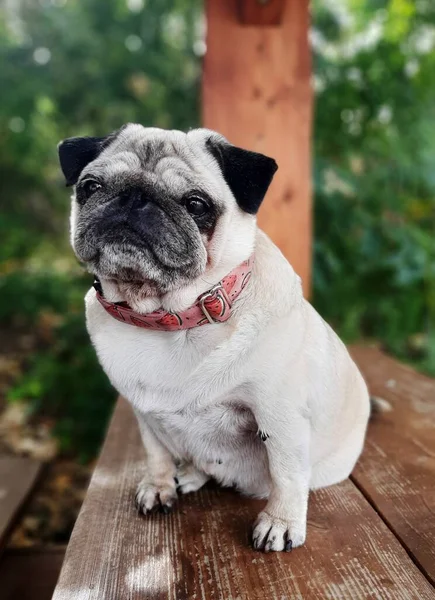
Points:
point(89, 187)
point(196, 206)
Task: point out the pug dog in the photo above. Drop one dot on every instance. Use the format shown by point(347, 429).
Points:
point(200, 322)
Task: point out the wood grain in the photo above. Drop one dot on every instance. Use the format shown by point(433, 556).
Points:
point(256, 91)
point(261, 12)
point(201, 550)
point(397, 469)
point(17, 478)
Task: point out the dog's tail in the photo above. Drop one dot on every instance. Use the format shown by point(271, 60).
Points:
point(379, 406)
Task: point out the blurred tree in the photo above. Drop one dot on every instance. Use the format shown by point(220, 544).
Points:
point(374, 149)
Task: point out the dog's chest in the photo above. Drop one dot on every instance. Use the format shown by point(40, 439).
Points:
point(155, 370)
point(210, 437)
point(167, 379)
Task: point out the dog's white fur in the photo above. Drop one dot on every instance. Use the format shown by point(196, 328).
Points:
point(200, 395)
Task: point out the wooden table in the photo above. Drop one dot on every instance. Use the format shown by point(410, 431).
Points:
point(373, 536)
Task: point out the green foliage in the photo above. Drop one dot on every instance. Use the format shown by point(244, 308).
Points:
point(374, 146)
point(26, 294)
point(63, 379)
point(65, 382)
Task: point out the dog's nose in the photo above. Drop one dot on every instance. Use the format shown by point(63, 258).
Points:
point(133, 198)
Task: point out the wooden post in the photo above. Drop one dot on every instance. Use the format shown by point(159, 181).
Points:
point(256, 91)
point(261, 12)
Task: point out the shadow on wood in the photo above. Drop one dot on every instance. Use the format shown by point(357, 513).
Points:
point(29, 574)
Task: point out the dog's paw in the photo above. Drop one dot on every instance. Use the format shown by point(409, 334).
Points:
point(189, 478)
point(155, 494)
point(273, 534)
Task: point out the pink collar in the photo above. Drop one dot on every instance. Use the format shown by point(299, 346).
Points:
point(212, 307)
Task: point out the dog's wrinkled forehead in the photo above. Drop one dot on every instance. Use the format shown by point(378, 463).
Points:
point(161, 156)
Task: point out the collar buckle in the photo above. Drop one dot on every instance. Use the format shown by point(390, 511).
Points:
point(212, 294)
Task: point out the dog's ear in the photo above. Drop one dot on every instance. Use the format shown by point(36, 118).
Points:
point(77, 152)
point(248, 174)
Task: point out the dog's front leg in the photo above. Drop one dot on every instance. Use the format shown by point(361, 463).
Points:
point(157, 489)
point(282, 524)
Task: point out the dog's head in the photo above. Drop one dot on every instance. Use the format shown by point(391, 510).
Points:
point(158, 207)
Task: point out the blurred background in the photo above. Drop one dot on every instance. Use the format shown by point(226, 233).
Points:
point(70, 67)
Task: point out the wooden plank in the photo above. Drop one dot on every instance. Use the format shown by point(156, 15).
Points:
point(201, 550)
point(397, 469)
point(261, 12)
point(30, 574)
point(17, 478)
point(256, 91)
